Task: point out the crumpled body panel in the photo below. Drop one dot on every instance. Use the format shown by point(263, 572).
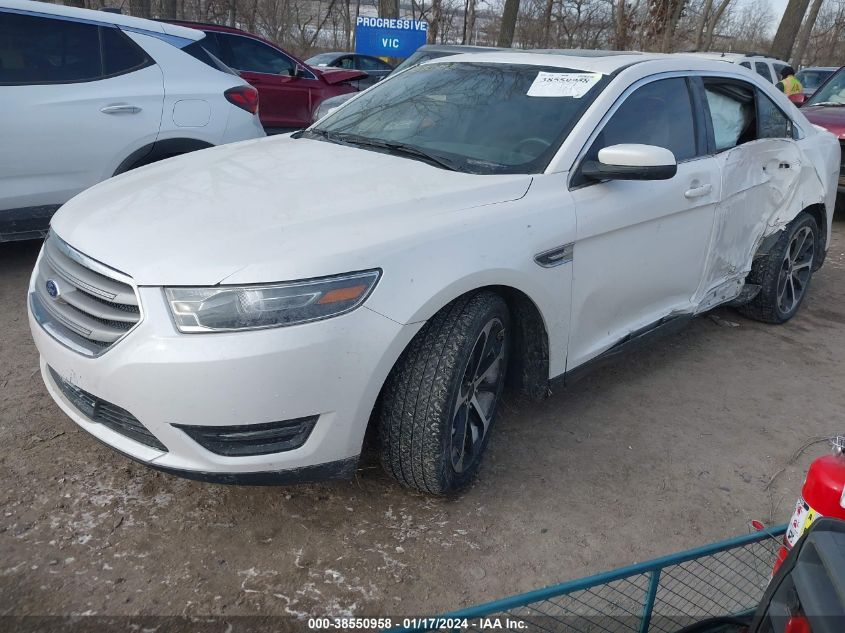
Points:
point(765, 184)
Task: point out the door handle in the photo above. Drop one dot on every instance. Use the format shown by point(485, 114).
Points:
point(697, 192)
point(120, 108)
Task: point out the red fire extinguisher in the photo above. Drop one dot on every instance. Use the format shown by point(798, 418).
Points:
point(823, 495)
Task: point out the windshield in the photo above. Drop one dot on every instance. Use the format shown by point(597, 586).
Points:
point(812, 79)
point(831, 93)
point(323, 59)
point(476, 117)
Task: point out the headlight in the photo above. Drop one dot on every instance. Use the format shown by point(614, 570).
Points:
point(226, 308)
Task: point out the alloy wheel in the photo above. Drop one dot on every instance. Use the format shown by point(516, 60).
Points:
point(476, 401)
point(796, 269)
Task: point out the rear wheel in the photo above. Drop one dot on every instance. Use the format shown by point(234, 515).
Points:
point(784, 274)
point(439, 402)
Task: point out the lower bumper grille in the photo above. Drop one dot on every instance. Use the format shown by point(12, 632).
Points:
point(252, 439)
point(109, 415)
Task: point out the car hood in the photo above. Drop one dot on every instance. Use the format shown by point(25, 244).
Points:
point(270, 209)
point(832, 118)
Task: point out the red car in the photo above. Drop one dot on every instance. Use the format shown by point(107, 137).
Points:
point(289, 90)
point(826, 108)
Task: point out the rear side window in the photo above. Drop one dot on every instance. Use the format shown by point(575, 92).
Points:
point(669, 122)
point(732, 112)
point(762, 69)
point(772, 122)
point(254, 56)
point(740, 113)
point(211, 44)
point(120, 53)
point(198, 51)
point(39, 50)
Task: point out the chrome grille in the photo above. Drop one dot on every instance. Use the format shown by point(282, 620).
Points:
point(80, 302)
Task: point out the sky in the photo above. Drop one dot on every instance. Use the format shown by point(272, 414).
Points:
point(778, 7)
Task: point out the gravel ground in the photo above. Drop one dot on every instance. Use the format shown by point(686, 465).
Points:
point(667, 449)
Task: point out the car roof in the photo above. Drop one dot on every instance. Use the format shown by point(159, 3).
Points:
point(604, 62)
point(101, 17)
point(456, 48)
point(732, 57)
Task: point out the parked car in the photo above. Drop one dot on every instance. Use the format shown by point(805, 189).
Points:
point(424, 53)
point(767, 67)
point(88, 94)
point(544, 214)
point(811, 77)
point(290, 89)
point(826, 108)
point(375, 68)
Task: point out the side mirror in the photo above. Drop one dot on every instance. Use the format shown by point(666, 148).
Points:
point(798, 99)
point(632, 161)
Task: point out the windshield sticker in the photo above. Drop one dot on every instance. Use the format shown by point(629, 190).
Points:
point(562, 84)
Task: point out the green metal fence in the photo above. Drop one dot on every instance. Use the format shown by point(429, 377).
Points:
point(657, 596)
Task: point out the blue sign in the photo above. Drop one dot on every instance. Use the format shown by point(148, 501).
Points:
point(389, 37)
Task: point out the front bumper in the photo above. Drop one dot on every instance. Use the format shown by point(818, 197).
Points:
point(333, 369)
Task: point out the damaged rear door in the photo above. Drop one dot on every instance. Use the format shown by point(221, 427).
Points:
point(760, 165)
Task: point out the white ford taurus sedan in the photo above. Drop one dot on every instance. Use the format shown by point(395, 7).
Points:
point(243, 314)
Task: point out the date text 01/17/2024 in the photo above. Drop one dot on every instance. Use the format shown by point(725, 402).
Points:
point(422, 624)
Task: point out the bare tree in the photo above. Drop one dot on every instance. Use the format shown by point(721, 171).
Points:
point(804, 35)
point(168, 9)
point(469, 21)
point(508, 27)
point(790, 23)
point(388, 8)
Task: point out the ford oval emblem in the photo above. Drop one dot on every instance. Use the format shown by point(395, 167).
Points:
point(52, 288)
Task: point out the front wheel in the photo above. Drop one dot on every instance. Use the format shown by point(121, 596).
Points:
point(439, 402)
point(784, 274)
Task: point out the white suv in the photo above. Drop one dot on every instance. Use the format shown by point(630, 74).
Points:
point(768, 68)
point(242, 314)
point(85, 95)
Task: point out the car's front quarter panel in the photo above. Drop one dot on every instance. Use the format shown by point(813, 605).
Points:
point(491, 245)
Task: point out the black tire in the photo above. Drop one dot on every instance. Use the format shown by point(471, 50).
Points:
point(422, 395)
point(778, 300)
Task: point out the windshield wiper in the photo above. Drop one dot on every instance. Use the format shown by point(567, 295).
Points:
point(318, 132)
point(401, 149)
point(826, 103)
